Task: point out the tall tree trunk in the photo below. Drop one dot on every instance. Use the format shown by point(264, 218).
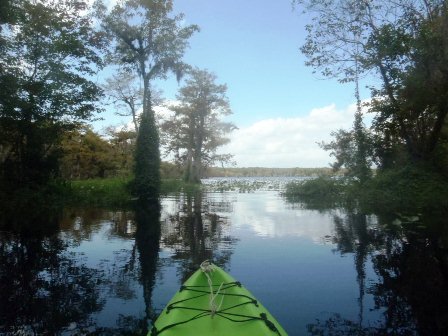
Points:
point(197, 159)
point(188, 176)
point(190, 167)
point(147, 152)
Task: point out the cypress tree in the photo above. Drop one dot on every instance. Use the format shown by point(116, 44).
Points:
point(146, 184)
point(148, 42)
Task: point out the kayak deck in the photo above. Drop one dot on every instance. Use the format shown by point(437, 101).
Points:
point(211, 302)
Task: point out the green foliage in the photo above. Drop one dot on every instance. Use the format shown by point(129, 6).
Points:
point(123, 147)
point(149, 43)
point(146, 38)
point(49, 50)
point(170, 186)
point(196, 130)
point(334, 37)
point(100, 192)
point(407, 50)
point(409, 189)
point(7, 12)
point(321, 190)
point(411, 105)
point(86, 155)
point(116, 192)
point(146, 184)
point(353, 150)
point(170, 170)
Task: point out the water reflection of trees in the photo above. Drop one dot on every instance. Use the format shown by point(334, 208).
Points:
point(413, 290)
point(43, 289)
point(198, 231)
point(139, 264)
point(131, 266)
point(412, 268)
point(46, 287)
point(147, 242)
point(79, 224)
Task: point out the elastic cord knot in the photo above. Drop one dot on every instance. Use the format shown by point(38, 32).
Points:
point(268, 323)
point(207, 268)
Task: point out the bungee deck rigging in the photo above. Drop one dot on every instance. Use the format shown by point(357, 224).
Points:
point(211, 302)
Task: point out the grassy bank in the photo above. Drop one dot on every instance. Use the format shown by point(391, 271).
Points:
point(116, 191)
point(100, 192)
point(408, 190)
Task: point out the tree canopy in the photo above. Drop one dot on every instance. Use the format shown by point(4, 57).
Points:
point(404, 44)
point(149, 43)
point(197, 130)
point(49, 53)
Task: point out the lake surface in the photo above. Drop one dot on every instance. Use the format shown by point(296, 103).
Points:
point(319, 272)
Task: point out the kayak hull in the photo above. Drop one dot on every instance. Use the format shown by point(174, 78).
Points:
point(213, 303)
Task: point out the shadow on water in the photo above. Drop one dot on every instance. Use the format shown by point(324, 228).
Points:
point(409, 256)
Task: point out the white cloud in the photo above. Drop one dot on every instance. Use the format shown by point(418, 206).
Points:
point(289, 142)
point(284, 142)
point(162, 113)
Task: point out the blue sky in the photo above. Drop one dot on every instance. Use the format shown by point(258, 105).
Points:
point(253, 47)
point(281, 108)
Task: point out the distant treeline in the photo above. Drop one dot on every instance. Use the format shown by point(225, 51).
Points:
point(261, 171)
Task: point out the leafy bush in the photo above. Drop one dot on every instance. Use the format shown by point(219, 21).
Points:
point(320, 193)
point(410, 189)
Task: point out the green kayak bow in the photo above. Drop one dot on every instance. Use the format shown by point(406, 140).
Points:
point(211, 302)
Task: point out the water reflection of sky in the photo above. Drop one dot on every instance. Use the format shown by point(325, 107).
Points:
point(267, 215)
point(287, 256)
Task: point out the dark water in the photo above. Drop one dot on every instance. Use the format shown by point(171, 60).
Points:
point(326, 272)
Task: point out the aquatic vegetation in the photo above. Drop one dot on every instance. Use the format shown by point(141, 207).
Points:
point(247, 184)
point(409, 190)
